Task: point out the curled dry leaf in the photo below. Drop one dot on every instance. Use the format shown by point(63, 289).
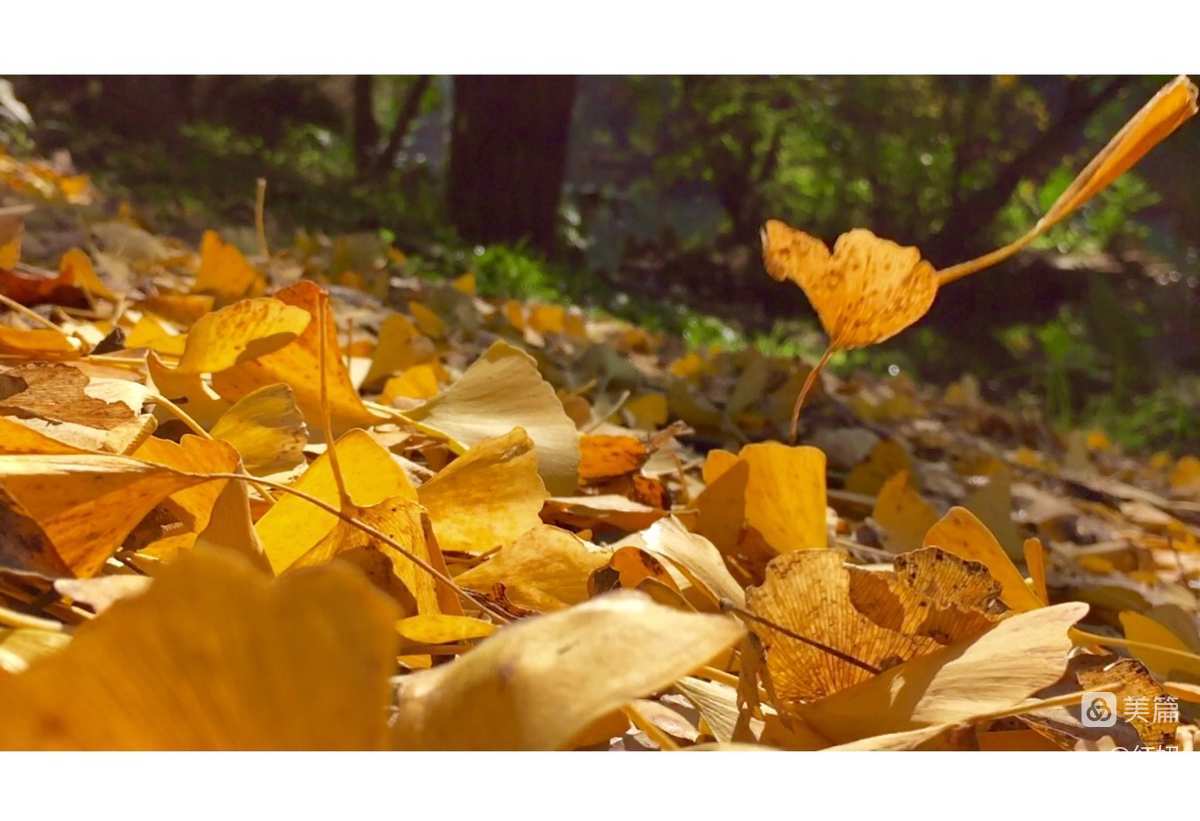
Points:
point(879, 619)
point(488, 496)
point(692, 555)
point(534, 686)
point(500, 391)
point(606, 510)
point(57, 399)
point(960, 533)
point(607, 457)
point(220, 658)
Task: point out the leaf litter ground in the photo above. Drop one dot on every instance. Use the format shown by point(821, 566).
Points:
point(287, 498)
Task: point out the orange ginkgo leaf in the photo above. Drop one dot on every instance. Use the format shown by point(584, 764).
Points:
point(868, 290)
point(298, 364)
point(86, 503)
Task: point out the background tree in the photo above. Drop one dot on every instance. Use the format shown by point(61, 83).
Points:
point(508, 152)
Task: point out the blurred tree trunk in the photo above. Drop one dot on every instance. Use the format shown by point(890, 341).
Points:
point(366, 131)
point(404, 121)
point(508, 155)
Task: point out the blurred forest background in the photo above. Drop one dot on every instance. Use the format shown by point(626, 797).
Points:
point(642, 196)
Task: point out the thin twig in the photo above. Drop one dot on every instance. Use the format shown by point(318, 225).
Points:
point(260, 216)
point(326, 416)
point(31, 315)
point(365, 528)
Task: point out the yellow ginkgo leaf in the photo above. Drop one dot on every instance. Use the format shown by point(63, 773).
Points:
point(488, 496)
point(16, 438)
point(500, 391)
point(188, 390)
point(545, 569)
point(220, 658)
point(427, 321)
point(649, 410)
point(887, 458)
point(810, 593)
point(400, 347)
point(1179, 663)
point(868, 290)
point(86, 503)
point(294, 526)
point(38, 342)
point(903, 514)
point(192, 506)
point(266, 429)
point(996, 671)
point(230, 527)
point(224, 272)
point(607, 457)
point(402, 521)
point(239, 332)
point(770, 500)
point(1185, 476)
point(298, 364)
point(992, 504)
point(149, 332)
point(443, 629)
point(417, 382)
point(960, 533)
point(12, 228)
point(533, 685)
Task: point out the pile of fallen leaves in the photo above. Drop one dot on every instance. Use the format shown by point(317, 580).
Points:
point(294, 499)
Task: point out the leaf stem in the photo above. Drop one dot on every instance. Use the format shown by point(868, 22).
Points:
point(808, 385)
point(260, 212)
point(1084, 637)
point(326, 416)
